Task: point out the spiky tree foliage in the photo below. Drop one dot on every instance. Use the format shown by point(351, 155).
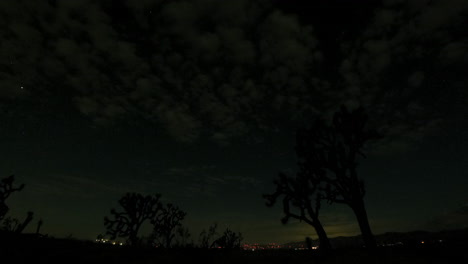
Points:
point(10, 224)
point(166, 223)
point(229, 239)
point(182, 238)
point(207, 236)
point(136, 209)
point(6, 189)
point(301, 199)
point(333, 150)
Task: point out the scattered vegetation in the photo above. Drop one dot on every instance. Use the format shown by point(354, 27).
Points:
point(137, 209)
point(327, 171)
point(229, 240)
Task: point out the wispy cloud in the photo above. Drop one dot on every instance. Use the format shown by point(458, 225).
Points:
point(218, 82)
point(405, 83)
point(202, 181)
point(66, 185)
point(254, 68)
point(454, 219)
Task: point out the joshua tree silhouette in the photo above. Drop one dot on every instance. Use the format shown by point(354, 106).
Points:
point(333, 150)
point(301, 192)
point(136, 210)
point(166, 223)
point(6, 189)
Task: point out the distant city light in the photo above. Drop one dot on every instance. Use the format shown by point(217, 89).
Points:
point(275, 246)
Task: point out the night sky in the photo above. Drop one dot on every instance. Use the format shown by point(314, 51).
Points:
point(199, 101)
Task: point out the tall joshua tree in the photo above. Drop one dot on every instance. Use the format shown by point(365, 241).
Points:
point(166, 223)
point(301, 199)
point(229, 240)
point(334, 150)
point(6, 189)
point(136, 210)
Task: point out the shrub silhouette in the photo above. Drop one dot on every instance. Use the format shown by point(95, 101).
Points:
point(207, 237)
point(333, 150)
point(136, 210)
point(229, 240)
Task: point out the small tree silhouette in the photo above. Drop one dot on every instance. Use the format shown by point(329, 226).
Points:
point(14, 225)
point(182, 238)
point(166, 223)
point(136, 210)
point(10, 224)
point(229, 240)
point(207, 237)
point(27, 220)
point(6, 189)
point(302, 193)
point(333, 150)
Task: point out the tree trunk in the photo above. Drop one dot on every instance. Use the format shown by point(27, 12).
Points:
point(39, 224)
point(28, 219)
point(133, 238)
point(322, 235)
point(361, 215)
point(168, 241)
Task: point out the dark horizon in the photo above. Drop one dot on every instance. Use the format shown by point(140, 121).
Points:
point(200, 101)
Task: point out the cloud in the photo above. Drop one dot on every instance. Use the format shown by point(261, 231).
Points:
point(454, 52)
point(416, 79)
point(194, 181)
point(179, 122)
point(223, 70)
point(73, 186)
point(455, 219)
point(403, 58)
point(200, 70)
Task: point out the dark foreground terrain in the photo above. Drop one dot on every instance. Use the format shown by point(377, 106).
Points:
point(32, 249)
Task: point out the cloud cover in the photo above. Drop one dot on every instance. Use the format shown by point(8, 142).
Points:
point(221, 70)
point(195, 68)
